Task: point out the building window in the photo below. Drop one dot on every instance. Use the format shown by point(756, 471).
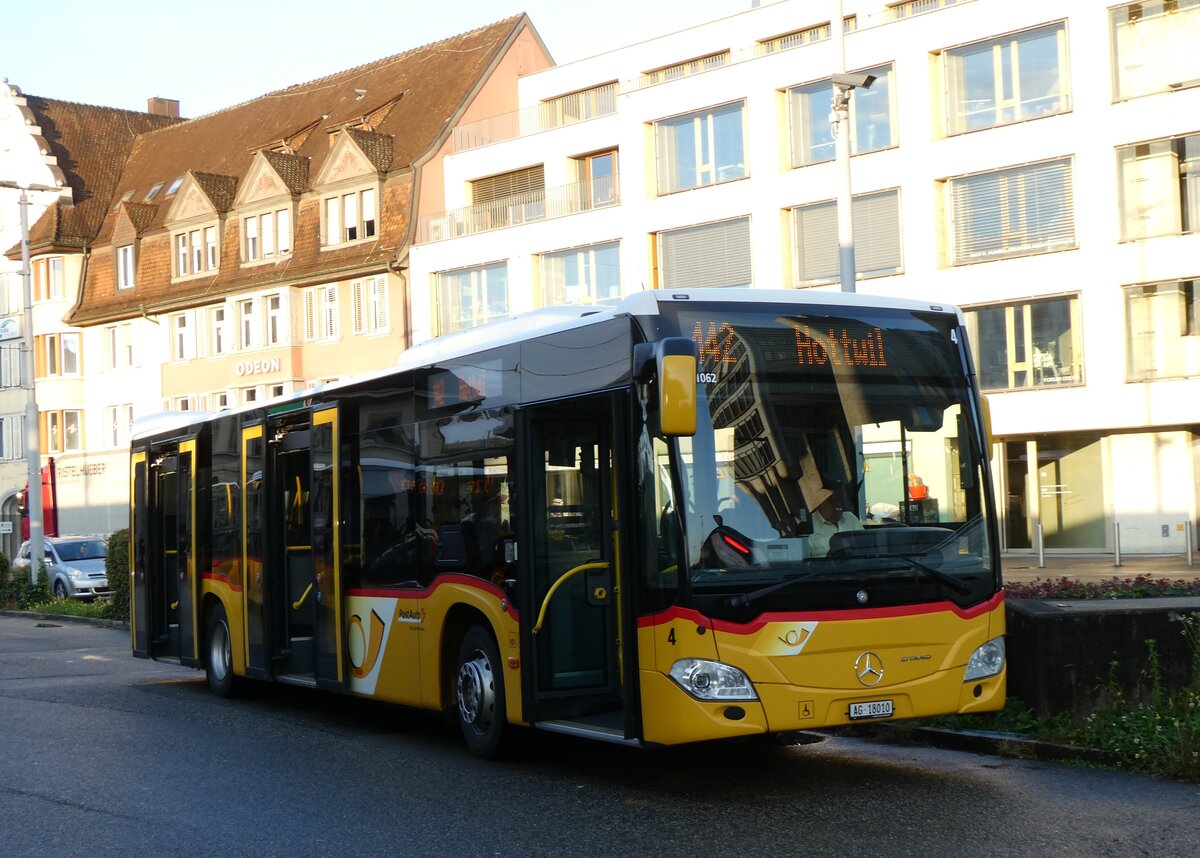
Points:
point(472, 296)
point(577, 106)
point(1154, 46)
point(1018, 211)
point(12, 437)
point(871, 118)
point(250, 394)
point(807, 36)
point(196, 251)
point(57, 355)
point(61, 431)
point(248, 327)
point(1031, 344)
point(877, 245)
point(174, 186)
point(691, 67)
point(711, 254)
point(277, 327)
point(48, 279)
point(699, 149)
point(582, 275)
point(11, 359)
point(268, 235)
point(597, 178)
point(118, 419)
point(183, 340)
point(350, 217)
point(1160, 187)
point(126, 272)
point(1162, 330)
point(370, 299)
point(321, 313)
point(219, 327)
point(276, 390)
point(1007, 79)
point(118, 346)
point(220, 400)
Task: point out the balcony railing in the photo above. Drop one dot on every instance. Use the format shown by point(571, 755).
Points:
point(555, 113)
point(520, 208)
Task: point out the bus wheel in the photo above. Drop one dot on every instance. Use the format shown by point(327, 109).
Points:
point(218, 664)
point(479, 692)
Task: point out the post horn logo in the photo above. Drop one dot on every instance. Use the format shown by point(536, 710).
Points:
point(868, 667)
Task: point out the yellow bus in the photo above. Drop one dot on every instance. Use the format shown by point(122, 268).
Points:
point(689, 516)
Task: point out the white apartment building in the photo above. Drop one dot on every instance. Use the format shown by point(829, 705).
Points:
point(1035, 164)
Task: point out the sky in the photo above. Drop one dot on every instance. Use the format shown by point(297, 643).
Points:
point(219, 53)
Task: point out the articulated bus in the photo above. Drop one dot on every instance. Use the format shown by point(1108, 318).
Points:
point(690, 516)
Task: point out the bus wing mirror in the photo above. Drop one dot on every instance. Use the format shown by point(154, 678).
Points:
point(673, 368)
point(985, 409)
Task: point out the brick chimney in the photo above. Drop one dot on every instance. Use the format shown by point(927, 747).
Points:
point(163, 106)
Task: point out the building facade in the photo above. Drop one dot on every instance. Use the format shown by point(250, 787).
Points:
point(1033, 163)
point(250, 253)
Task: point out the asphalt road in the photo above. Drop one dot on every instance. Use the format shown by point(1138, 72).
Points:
point(102, 754)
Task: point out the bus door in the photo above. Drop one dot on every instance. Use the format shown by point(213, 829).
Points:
point(170, 586)
point(570, 610)
point(303, 569)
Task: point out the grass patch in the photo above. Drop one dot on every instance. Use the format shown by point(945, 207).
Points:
point(97, 610)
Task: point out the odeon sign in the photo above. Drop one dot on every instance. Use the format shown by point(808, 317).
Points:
point(257, 367)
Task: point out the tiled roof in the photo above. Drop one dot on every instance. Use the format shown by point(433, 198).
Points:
point(377, 147)
point(293, 169)
point(90, 144)
point(220, 190)
point(407, 100)
point(141, 214)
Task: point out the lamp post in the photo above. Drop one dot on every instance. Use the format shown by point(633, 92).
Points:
point(839, 118)
point(33, 453)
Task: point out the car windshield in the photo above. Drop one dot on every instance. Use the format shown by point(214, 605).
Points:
point(88, 549)
point(831, 449)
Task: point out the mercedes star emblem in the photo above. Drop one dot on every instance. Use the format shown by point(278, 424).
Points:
point(868, 667)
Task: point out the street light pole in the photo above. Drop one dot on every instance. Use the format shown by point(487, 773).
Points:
point(840, 119)
point(33, 453)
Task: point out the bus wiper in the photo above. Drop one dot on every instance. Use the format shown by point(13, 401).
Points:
point(952, 581)
point(743, 599)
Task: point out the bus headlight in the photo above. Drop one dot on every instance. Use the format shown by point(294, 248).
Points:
point(986, 661)
point(712, 680)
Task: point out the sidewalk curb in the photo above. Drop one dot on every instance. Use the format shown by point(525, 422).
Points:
point(999, 744)
point(89, 621)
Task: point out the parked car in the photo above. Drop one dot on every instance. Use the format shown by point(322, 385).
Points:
point(74, 566)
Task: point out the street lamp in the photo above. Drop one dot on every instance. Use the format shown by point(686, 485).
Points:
point(839, 118)
point(33, 453)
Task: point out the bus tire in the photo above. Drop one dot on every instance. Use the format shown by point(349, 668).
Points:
point(218, 654)
point(479, 694)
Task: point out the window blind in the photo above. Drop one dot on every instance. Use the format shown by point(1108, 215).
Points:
point(711, 254)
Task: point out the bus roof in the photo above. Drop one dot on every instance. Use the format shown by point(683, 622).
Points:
point(549, 320)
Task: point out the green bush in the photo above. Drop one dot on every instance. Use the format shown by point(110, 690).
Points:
point(16, 593)
point(116, 565)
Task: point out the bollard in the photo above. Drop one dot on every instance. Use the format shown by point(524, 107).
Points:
point(1041, 540)
point(1187, 538)
point(1116, 543)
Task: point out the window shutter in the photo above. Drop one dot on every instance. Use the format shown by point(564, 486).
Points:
point(310, 314)
point(526, 181)
point(329, 310)
point(1014, 212)
point(712, 254)
point(379, 299)
point(816, 243)
point(356, 299)
point(877, 233)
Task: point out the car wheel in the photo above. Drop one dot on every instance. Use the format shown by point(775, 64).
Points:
point(218, 661)
point(60, 589)
point(479, 694)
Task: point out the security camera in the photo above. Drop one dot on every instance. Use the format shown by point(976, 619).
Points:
point(853, 81)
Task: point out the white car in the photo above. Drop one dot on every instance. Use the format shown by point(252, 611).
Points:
point(74, 566)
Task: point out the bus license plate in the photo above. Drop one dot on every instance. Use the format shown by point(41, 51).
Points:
point(871, 709)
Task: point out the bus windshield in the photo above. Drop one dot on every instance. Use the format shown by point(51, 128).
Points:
point(837, 463)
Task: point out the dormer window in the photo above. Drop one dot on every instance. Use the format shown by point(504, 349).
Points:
point(267, 235)
point(196, 251)
point(350, 217)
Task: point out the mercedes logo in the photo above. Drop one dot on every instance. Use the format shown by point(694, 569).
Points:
point(868, 667)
